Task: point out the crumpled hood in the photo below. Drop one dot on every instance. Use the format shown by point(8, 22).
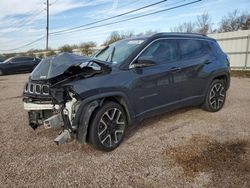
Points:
point(65, 65)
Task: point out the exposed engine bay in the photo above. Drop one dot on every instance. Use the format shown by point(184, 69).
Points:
point(49, 97)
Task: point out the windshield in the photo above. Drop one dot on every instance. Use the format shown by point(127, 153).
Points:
point(56, 65)
point(118, 51)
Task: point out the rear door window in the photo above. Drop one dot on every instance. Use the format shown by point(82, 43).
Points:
point(17, 60)
point(27, 59)
point(162, 51)
point(191, 48)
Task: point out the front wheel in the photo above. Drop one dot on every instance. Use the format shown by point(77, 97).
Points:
point(108, 126)
point(216, 96)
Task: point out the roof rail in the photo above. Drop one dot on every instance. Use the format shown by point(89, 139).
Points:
point(179, 33)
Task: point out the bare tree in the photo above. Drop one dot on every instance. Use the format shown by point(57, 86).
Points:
point(75, 46)
point(186, 27)
point(204, 23)
point(234, 21)
point(114, 36)
point(41, 56)
point(127, 34)
point(87, 48)
point(66, 48)
point(50, 53)
point(244, 19)
point(147, 33)
point(247, 26)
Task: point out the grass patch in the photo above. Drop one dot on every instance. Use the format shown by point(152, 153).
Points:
point(222, 161)
point(240, 73)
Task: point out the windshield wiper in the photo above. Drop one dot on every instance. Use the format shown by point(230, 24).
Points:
point(112, 55)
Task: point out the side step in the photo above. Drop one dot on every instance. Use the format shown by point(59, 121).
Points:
point(63, 137)
point(54, 121)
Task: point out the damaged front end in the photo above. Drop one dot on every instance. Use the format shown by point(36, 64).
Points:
point(49, 98)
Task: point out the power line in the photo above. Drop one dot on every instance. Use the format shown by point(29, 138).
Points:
point(38, 39)
point(102, 25)
point(28, 44)
point(129, 4)
point(109, 18)
point(53, 3)
point(22, 22)
point(132, 18)
point(168, 5)
point(28, 19)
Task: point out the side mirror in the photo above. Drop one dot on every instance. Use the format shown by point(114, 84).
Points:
point(143, 62)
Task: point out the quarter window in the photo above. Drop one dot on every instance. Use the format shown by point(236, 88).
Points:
point(162, 51)
point(191, 48)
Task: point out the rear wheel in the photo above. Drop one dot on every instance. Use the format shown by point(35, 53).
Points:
point(108, 126)
point(1, 72)
point(215, 97)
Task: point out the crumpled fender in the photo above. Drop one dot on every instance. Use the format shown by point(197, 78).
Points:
point(87, 107)
point(82, 119)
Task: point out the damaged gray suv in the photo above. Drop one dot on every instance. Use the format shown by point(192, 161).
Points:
point(95, 99)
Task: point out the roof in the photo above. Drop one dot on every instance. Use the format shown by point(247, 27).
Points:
point(176, 34)
point(171, 34)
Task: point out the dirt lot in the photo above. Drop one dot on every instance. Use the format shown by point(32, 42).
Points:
point(189, 147)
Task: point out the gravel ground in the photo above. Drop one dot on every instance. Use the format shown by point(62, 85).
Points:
point(185, 148)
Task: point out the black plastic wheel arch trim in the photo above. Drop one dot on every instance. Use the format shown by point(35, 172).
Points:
point(87, 106)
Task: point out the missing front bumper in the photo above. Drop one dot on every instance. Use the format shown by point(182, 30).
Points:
point(55, 121)
point(34, 106)
point(39, 113)
point(53, 116)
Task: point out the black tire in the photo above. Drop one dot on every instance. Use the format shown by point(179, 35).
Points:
point(1, 72)
point(215, 97)
point(107, 128)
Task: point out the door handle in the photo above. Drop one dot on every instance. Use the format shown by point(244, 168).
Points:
point(175, 69)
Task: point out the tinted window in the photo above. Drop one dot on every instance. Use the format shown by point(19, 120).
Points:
point(16, 60)
point(216, 48)
point(22, 59)
point(162, 51)
point(27, 59)
point(191, 48)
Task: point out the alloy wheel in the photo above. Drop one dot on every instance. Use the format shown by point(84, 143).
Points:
point(217, 96)
point(111, 127)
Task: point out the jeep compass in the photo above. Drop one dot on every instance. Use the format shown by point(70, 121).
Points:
point(95, 99)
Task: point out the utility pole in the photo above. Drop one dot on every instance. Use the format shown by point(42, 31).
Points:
point(47, 28)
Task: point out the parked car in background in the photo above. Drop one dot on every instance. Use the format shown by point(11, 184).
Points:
point(18, 65)
point(2, 59)
point(95, 99)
